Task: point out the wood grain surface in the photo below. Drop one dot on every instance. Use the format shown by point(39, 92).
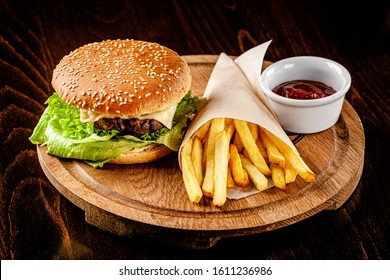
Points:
point(154, 194)
point(38, 222)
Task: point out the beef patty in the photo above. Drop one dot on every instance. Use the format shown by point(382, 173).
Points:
point(134, 127)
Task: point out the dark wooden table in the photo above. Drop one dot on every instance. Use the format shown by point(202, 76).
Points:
point(39, 223)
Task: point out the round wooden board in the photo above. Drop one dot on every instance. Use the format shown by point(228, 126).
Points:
point(150, 200)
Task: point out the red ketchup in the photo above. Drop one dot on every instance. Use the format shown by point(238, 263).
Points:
point(302, 89)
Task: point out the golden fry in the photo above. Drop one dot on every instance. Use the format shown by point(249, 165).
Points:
point(228, 121)
point(217, 125)
point(196, 157)
point(235, 165)
point(273, 153)
point(246, 183)
point(229, 128)
point(237, 141)
point(251, 147)
point(204, 154)
point(230, 181)
point(262, 149)
point(254, 129)
point(191, 183)
point(187, 147)
point(294, 158)
point(203, 131)
point(245, 153)
point(258, 178)
point(221, 167)
point(278, 176)
point(290, 173)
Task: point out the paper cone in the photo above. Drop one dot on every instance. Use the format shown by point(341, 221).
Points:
point(233, 91)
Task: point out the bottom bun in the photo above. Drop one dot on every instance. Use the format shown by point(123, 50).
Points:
point(142, 155)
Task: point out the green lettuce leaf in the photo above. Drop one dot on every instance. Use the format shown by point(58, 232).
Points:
point(66, 136)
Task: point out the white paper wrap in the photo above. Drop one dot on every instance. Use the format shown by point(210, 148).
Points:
point(233, 91)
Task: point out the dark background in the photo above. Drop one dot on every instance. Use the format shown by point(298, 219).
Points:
point(38, 223)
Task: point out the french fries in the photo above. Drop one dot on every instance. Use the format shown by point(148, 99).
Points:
point(235, 166)
point(273, 154)
point(258, 178)
point(278, 176)
point(230, 182)
point(201, 133)
point(191, 183)
point(226, 153)
point(196, 157)
point(217, 126)
point(295, 160)
point(221, 168)
point(289, 173)
point(250, 146)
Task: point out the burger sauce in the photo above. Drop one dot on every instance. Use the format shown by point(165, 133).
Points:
point(303, 89)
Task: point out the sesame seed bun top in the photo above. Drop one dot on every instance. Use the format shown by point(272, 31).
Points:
point(122, 77)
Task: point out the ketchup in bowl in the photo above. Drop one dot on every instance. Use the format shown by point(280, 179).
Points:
point(303, 89)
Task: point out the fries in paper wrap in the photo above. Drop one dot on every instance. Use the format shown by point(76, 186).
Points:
point(233, 92)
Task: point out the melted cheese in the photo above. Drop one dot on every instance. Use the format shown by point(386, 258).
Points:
point(164, 116)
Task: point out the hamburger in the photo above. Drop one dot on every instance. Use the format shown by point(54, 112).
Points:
point(117, 101)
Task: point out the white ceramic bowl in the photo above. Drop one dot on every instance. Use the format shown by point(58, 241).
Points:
point(306, 116)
